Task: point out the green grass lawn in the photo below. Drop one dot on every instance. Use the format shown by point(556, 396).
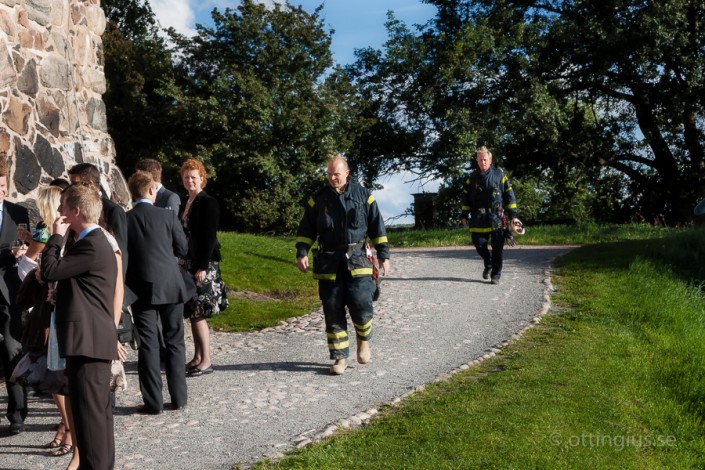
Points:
point(612, 377)
point(265, 286)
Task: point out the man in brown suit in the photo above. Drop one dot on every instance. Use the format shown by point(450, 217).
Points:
point(86, 320)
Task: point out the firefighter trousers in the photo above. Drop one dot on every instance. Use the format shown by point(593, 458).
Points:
point(492, 259)
point(355, 293)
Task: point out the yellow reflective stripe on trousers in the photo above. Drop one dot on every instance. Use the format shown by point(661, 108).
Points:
point(340, 334)
point(481, 229)
point(363, 330)
point(341, 345)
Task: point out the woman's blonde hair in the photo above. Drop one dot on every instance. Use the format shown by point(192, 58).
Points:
point(48, 201)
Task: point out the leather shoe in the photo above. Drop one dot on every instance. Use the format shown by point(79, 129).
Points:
point(199, 372)
point(16, 428)
point(145, 410)
point(177, 407)
point(486, 273)
point(339, 367)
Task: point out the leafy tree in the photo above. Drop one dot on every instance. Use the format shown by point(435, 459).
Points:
point(260, 112)
point(138, 69)
point(604, 96)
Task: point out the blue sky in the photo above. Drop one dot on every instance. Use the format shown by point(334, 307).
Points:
point(357, 24)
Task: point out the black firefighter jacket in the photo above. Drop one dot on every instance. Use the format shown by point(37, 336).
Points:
point(485, 198)
point(341, 223)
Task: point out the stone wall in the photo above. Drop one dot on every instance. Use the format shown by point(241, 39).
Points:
point(52, 115)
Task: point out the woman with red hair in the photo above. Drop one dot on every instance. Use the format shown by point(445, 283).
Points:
point(199, 215)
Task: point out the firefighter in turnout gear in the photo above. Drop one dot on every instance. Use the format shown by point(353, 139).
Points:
point(341, 216)
point(487, 194)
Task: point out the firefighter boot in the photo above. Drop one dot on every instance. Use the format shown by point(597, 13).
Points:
point(339, 367)
point(363, 351)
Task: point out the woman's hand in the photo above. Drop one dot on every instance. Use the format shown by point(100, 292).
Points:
point(122, 352)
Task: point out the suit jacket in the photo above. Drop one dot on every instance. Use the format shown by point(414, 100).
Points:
point(13, 214)
point(155, 239)
point(86, 276)
point(114, 218)
point(202, 230)
point(168, 200)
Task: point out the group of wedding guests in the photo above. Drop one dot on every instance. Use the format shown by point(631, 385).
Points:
point(87, 261)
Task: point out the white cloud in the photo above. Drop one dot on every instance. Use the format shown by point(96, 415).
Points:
point(396, 197)
point(175, 13)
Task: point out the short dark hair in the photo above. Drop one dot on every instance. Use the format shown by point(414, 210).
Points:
point(60, 183)
point(152, 167)
point(88, 172)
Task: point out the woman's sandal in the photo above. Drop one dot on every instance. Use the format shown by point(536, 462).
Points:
point(63, 450)
point(58, 437)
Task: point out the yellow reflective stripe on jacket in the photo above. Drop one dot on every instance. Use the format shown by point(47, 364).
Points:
point(511, 206)
point(305, 240)
point(465, 208)
point(324, 277)
point(481, 229)
point(361, 272)
point(377, 241)
point(370, 199)
point(311, 202)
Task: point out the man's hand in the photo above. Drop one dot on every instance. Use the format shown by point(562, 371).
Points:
point(384, 267)
point(465, 222)
point(60, 225)
point(200, 276)
point(302, 264)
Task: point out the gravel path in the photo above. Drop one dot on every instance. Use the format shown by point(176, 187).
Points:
point(271, 390)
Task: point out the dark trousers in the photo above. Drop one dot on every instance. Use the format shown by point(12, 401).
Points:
point(171, 318)
point(89, 392)
point(492, 259)
point(355, 293)
point(10, 355)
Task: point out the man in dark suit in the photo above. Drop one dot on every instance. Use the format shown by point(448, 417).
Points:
point(86, 320)
point(155, 239)
point(165, 198)
point(10, 315)
point(168, 200)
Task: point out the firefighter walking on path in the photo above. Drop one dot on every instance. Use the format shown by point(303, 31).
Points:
point(341, 216)
point(487, 193)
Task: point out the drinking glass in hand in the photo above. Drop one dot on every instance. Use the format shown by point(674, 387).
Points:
point(16, 246)
point(23, 233)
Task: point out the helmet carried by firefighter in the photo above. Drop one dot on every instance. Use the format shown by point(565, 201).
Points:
point(516, 227)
